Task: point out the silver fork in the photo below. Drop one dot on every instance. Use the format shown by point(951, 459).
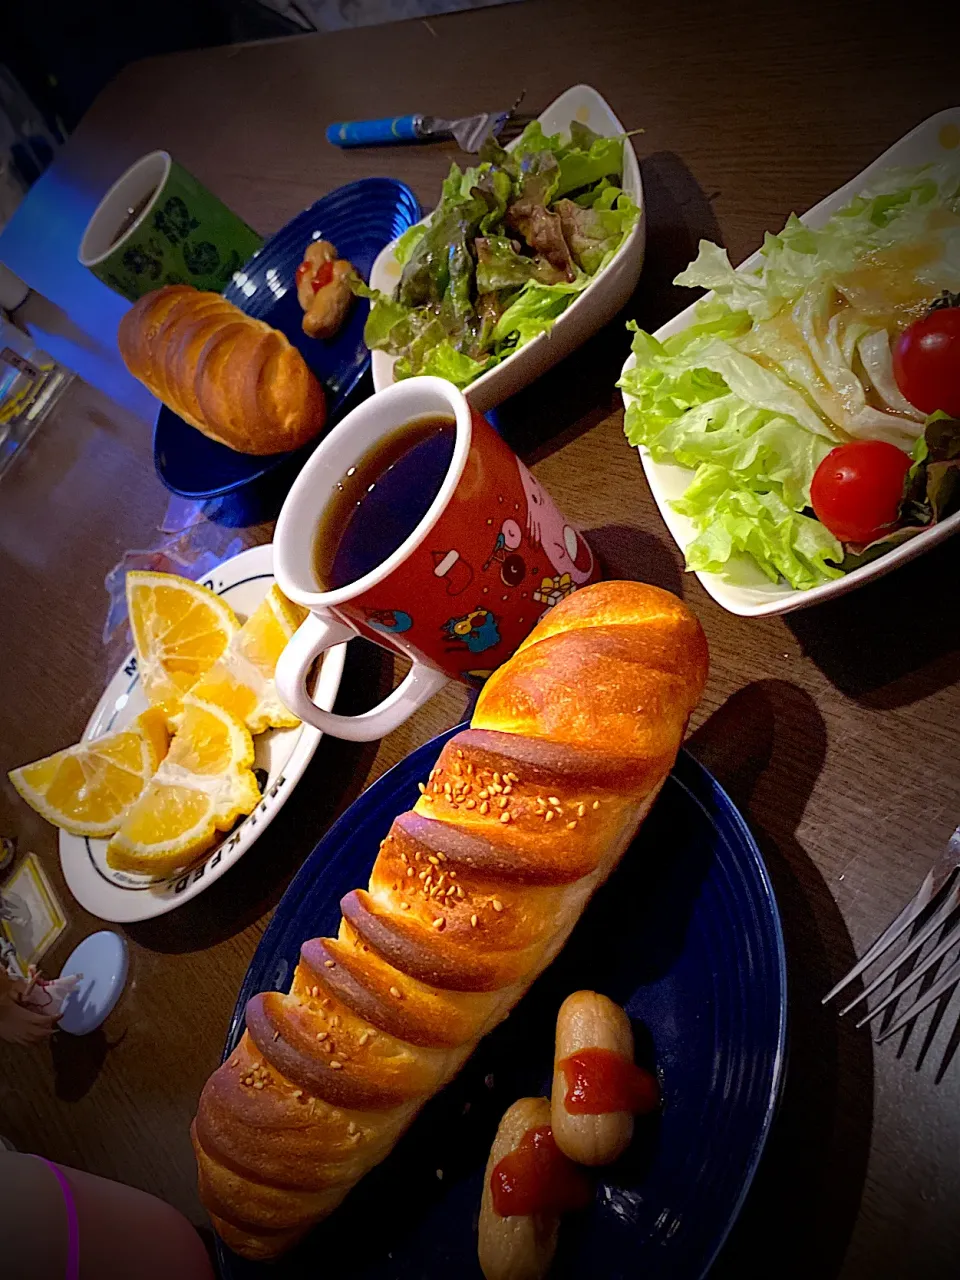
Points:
point(470, 132)
point(940, 896)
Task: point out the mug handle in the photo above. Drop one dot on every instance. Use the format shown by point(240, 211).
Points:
point(321, 631)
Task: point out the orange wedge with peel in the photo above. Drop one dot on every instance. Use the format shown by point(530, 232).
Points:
point(203, 785)
point(180, 629)
point(88, 789)
point(241, 680)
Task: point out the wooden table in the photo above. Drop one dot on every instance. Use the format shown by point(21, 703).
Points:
point(835, 729)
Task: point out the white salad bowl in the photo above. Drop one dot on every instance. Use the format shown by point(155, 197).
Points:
point(753, 594)
point(599, 302)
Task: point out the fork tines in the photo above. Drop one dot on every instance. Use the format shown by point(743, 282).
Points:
point(931, 910)
point(514, 125)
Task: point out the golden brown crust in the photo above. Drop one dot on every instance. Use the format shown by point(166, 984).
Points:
point(232, 377)
point(472, 894)
point(139, 328)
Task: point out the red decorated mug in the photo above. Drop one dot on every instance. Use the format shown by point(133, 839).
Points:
point(489, 557)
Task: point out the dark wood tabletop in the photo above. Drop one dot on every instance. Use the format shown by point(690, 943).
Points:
point(834, 728)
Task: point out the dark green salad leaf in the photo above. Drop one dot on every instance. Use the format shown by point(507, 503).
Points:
point(508, 248)
point(931, 491)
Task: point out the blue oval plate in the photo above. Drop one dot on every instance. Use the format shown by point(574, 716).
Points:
point(686, 936)
point(359, 219)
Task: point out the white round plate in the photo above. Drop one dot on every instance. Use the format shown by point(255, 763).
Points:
point(123, 898)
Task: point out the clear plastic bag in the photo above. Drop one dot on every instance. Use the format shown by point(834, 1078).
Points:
point(194, 546)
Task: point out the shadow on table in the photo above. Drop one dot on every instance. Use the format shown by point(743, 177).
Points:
point(953, 1040)
point(569, 399)
point(76, 1062)
point(332, 781)
point(580, 391)
point(766, 745)
point(634, 554)
point(890, 643)
point(679, 216)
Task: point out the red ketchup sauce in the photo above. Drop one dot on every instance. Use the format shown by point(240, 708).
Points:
point(600, 1081)
point(323, 275)
point(537, 1177)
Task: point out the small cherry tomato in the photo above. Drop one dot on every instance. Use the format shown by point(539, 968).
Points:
point(926, 361)
point(857, 488)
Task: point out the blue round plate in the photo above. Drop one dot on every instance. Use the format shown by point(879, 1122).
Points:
point(686, 936)
point(359, 219)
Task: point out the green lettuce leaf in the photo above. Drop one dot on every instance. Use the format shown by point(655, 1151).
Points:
point(736, 519)
point(533, 141)
point(444, 361)
point(582, 136)
point(428, 271)
point(579, 168)
point(499, 266)
point(534, 310)
point(932, 490)
point(583, 157)
point(694, 403)
point(409, 241)
point(903, 207)
point(497, 188)
point(385, 315)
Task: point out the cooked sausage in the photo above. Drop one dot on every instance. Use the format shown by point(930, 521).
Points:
point(315, 255)
point(588, 1020)
point(520, 1247)
point(330, 303)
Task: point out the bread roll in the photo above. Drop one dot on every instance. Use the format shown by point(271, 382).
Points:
point(472, 895)
point(232, 377)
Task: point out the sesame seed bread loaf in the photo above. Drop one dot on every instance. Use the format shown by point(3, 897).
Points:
point(232, 377)
point(472, 894)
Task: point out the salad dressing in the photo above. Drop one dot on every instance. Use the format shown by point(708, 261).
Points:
point(890, 288)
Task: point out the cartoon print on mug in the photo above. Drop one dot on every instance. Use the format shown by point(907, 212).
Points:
point(394, 620)
point(477, 630)
point(451, 566)
point(552, 590)
point(566, 549)
point(513, 568)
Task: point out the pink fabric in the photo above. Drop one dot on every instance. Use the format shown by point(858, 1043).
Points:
point(72, 1271)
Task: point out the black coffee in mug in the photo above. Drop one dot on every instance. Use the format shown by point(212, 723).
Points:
point(381, 500)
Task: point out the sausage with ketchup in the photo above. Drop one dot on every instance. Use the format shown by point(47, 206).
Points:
point(527, 1186)
point(323, 289)
point(597, 1088)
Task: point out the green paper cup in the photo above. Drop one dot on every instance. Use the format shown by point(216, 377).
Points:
point(158, 225)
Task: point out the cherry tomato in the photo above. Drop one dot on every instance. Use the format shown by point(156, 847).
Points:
point(926, 361)
point(857, 488)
